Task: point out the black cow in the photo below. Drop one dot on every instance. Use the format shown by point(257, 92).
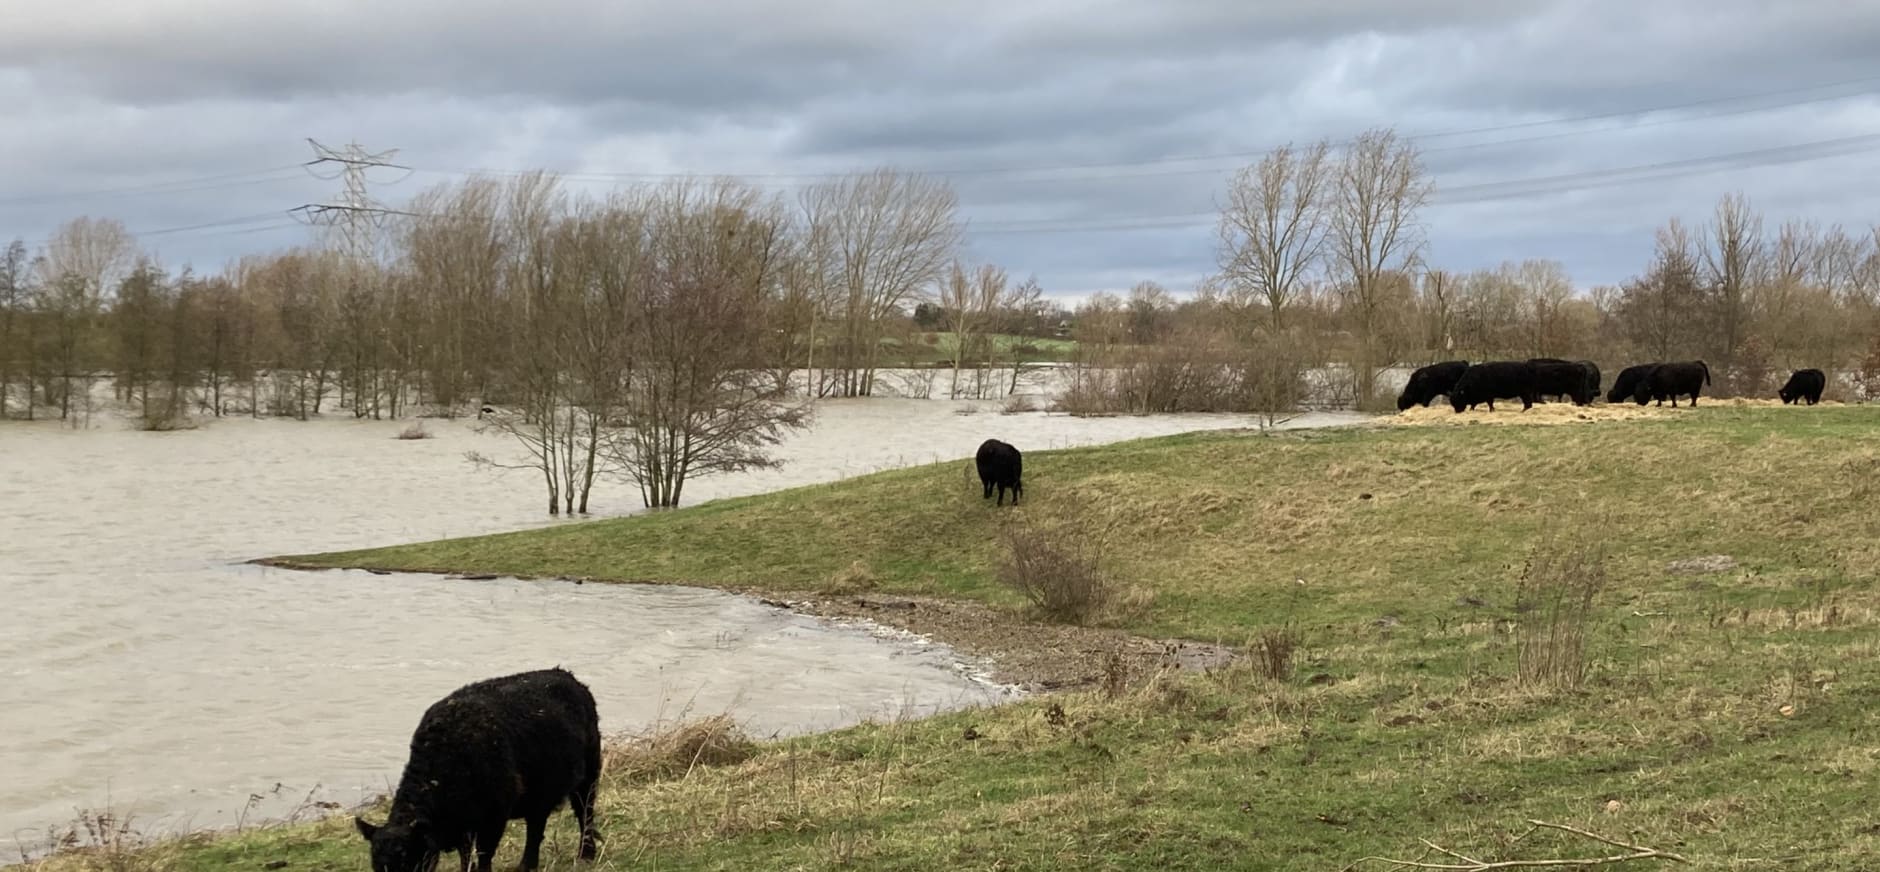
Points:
point(1000, 465)
point(1559, 378)
point(1804, 384)
point(1592, 377)
point(1671, 381)
point(1430, 382)
point(1488, 382)
point(486, 754)
point(1627, 381)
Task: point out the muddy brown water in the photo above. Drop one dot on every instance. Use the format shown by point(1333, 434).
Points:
point(145, 668)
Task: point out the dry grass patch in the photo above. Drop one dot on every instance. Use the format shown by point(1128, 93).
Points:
point(678, 750)
point(855, 578)
point(1510, 413)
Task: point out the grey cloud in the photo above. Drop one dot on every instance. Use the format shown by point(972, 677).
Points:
point(104, 95)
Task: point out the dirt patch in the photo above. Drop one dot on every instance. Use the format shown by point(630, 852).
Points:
point(1700, 565)
point(1014, 651)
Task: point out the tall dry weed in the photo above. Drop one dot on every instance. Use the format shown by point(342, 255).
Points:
point(1554, 599)
point(1057, 563)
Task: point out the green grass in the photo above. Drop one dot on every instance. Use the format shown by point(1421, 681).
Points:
point(1726, 717)
point(937, 347)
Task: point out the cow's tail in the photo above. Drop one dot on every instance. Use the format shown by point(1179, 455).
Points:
point(1706, 371)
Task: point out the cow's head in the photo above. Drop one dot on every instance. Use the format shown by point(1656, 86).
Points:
point(399, 847)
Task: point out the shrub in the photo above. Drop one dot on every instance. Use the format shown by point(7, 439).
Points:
point(1273, 652)
point(415, 431)
point(1057, 565)
point(1554, 601)
point(1017, 403)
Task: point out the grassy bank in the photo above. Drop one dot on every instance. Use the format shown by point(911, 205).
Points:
point(1723, 713)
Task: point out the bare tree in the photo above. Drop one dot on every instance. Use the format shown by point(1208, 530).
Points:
point(1545, 290)
point(81, 264)
point(1731, 263)
point(139, 318)
point(1272, 231)
point(1376, 191)
point(555, 431)
point(700, 402)
point(1025, 304)
point(15, 318)
point(1439, 310)
point(1662, 310)
point(971, 300)
point(878, 239)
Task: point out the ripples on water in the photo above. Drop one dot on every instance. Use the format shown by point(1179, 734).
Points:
point(143, 667)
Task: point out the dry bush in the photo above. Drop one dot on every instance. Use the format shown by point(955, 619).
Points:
point(1750, 377)
point(164, 420)
point(1058, 564)
point(855, 578)
point(1092, 389)
point(1273, 652)
point(1554, 599)
point(1271, 376)
point(1018, 403)
point(676, 751)
point(414, 432)
point(103, 841)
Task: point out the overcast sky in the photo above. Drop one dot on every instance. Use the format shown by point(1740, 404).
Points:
point(1089, 141)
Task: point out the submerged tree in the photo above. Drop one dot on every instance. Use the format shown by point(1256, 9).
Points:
point(699, 401)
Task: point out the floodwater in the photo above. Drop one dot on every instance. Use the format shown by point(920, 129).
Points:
point(145, 668)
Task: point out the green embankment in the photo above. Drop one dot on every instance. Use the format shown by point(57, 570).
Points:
point(1726, 716)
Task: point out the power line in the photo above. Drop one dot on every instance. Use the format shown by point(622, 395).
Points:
point(1868, 84)
point(237, 221)
point(1441, 196)
point(357, 215)
point(270, 174)
point(1504, 189)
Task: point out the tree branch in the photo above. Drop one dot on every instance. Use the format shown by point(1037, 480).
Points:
point(1470, 864)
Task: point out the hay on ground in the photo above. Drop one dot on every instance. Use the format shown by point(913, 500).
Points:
point(675, 751)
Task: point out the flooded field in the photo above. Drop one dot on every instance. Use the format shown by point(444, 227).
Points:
point(144, 667)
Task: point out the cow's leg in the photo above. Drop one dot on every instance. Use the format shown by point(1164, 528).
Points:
point(488, 837)
point(535, 825)
point(581, 802)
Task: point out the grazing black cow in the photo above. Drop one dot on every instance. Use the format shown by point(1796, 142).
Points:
point(1559, 378)
point(1488, 382)
point(1627, 381)
point(1804, 384)
point(1592, 378)
point(1430, 382)
point(1000, 465)
point(486, 754)
point(1671, 381)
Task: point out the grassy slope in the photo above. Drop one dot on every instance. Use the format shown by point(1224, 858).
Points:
point(1388, 733)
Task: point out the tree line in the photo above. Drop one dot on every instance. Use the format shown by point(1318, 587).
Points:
point(1323, 283)
point(661, 331)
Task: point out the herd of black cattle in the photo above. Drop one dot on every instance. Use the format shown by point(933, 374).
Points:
point(1469, 385)
point(519, 745)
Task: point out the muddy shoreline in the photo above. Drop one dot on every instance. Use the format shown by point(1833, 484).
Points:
point(1001, 646)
